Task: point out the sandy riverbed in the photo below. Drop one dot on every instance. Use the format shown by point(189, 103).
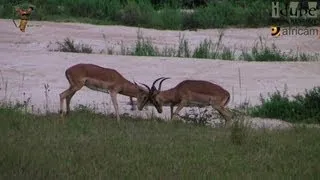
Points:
point(26, 64)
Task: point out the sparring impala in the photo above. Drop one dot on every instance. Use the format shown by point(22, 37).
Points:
point(188, 93)
point(99, 79)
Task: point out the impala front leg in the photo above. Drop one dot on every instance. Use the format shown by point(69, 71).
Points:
point(133, 107)
point(115, 104)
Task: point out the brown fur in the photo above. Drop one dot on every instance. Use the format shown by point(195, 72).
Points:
point(192, 93)
point(99, 79)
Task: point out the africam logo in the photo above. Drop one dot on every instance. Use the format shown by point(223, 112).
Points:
point(276, 31)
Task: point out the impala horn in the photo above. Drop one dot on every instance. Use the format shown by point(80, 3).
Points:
point(160, 84)
point(146, 87)
point(141, 84)
point(153, 88)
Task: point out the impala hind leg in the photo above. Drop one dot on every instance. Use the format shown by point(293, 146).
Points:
point(222, 111)
point(67, 94)
point(178, 109)
point(68, 99)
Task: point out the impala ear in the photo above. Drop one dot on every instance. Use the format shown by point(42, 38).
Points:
point(140, 89)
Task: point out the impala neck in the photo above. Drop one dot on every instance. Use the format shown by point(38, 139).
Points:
point(168, 96)
point(129, 89)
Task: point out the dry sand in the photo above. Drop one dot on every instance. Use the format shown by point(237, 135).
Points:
point(26, 64)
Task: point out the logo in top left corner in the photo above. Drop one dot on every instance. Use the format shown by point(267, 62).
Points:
point(275, 31)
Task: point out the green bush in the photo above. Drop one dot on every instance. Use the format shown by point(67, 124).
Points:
point(209, 50)
point(170, 18)
point(300, 108)
point(188, 4)
point(203, 50)
point(136, 14)
point(144, 47)
point(266, 54)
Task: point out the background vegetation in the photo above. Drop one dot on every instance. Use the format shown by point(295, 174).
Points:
point(207, 49)
point(160, 14)
point(299, 108)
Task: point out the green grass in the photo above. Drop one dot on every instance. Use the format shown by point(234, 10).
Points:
point(303, 107)
point(93, 146)
point(163, 15)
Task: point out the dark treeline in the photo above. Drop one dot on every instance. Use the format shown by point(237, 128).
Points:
point(159, 14)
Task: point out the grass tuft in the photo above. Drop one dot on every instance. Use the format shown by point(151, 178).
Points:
point(68, 45)
point(144, 47)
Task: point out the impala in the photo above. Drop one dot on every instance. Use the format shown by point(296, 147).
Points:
point(188, 93)
point(100, 79)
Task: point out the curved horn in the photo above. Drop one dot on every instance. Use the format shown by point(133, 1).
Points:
point(154, 82)
point(159, 88)
point(146, 86)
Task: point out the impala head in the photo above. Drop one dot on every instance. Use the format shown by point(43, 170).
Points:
point(142, 97)
point(151, 96)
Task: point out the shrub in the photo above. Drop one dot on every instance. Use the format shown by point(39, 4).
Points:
point(190, 22)
point(170, 18)
point(68, 45)
point(209, 50)
point(183, 49)
point(203, 50)
point(145, 48)
point(300, 108)
point(267, 54)
point(137, 14)
point(261, 52)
